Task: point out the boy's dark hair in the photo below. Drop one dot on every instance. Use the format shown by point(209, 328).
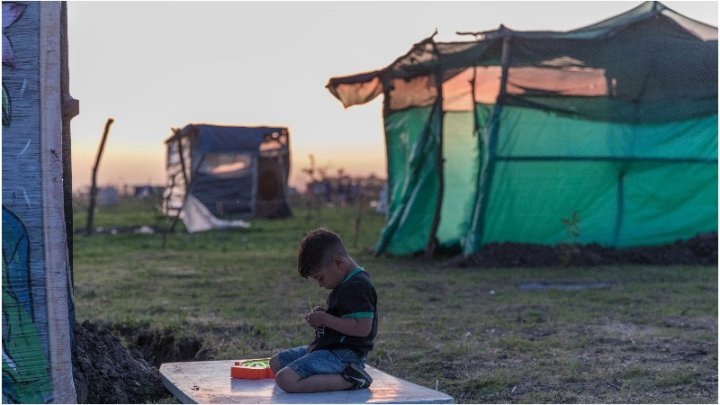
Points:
point(316, 249)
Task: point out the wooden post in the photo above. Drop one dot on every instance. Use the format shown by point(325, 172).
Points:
point(358, 219)
point(188, 187)
point(185, 183)
point(476, 235)
point(166, 199)
point(176, 137)
point(57, 286)
point(70, 108)
point(181, 152)
point(93, 186)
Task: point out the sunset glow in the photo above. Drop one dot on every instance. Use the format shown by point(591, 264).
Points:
point(154, 66)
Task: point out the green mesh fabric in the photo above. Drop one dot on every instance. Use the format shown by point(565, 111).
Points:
point(613, 184)
point(604, 134)
point(413, 190)
point(402, 131)
point(462, 149)
point(619, 184)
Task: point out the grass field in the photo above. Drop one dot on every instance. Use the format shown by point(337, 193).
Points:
point(650, 337)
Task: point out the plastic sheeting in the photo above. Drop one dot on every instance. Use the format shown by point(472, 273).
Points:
point(623, 185)
point(604, 134)
point(197, 218)
point(235, 173)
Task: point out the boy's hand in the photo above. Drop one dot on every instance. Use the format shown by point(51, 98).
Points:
point(316, 319)
point(318, 308)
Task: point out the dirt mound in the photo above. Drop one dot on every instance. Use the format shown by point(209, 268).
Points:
point(700, 250)
point(161, 346)
point(105, 372)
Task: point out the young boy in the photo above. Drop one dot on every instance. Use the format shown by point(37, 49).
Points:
point(344, 331)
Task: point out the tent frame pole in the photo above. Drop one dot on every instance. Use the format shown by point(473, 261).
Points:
point(620, 203)
point(181, 152)
point(440, 160)
point(476, 123)
point(473, 243)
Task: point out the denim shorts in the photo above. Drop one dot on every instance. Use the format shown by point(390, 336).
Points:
point(318, 361)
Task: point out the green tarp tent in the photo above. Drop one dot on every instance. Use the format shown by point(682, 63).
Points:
point(605, 134)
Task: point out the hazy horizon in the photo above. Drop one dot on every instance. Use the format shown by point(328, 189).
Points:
point(153, 66)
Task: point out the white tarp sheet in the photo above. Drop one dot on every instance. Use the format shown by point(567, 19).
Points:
point(197, 218)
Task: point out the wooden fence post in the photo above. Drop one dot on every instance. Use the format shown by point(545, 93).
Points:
point(93, 186)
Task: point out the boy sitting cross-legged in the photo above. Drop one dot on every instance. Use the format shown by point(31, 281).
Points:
point(344, 331)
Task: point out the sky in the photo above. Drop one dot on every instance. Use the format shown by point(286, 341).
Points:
point(154, 66)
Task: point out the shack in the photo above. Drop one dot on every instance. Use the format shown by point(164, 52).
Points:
point(220, 176)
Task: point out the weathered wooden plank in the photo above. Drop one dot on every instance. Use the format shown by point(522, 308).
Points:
point(37, 300)
point(210, 382)
point(53, 204)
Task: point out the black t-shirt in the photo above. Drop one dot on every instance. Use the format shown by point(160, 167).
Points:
point(354, 298)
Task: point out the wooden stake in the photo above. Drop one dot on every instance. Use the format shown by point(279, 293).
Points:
point(93, 186)
point(358, 219)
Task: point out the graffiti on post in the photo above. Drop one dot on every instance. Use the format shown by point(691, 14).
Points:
point(25, 362)
point(11, 12)
point(26, 377)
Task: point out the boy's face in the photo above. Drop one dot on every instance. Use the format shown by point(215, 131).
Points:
point(329, 275)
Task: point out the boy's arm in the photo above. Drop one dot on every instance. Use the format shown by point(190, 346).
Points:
point(347, 326)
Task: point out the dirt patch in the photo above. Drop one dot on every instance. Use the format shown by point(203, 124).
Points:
point(700, 250)
point(161, 346)
point(105, 372)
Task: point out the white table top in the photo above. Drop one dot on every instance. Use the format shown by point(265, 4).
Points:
point(210, 382)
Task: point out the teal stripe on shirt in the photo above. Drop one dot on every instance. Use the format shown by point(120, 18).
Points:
point(360, 315)
point(354, 272)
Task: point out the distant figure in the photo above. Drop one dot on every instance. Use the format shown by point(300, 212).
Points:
point(328, 191)
point(382, 206)
point(344, 331)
